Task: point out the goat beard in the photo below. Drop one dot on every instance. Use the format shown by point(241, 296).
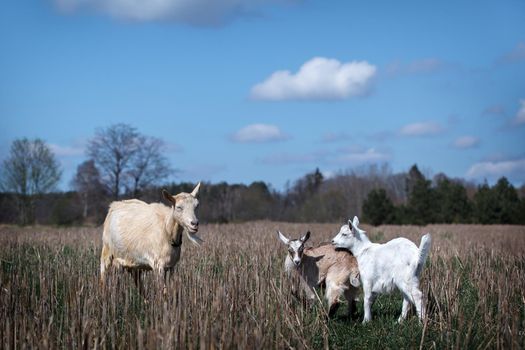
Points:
point(194, 238)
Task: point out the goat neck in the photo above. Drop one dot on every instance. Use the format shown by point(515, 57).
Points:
point(173, 230)
point(361, 244)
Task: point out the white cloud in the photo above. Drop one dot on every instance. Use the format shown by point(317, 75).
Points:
point(318, 79)
point(520, 116)
point(357, 157)
point(194, 12)
point(258, 133)
point(421, 129)
point(512, 169)
point(66, 151)
point(465, 142)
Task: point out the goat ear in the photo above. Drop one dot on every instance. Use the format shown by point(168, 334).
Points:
point(168, 197)
point(283, 238)
point(353, 225)
point(354, 280)
point(305, 237)
point(195, 191)
point(355, 229)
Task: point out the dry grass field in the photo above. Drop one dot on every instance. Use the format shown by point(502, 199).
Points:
point(232, 293)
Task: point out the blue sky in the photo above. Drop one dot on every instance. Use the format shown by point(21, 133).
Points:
point(270, 89)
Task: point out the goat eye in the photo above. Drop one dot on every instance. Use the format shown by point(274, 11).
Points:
point(179, 208)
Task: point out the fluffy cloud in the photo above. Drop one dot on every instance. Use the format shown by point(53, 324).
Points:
point(465, 142)
point(318, 79)
point(520, 116)
point(194, 12)
point(421, 129)
point(512, 169)
point(258, 133)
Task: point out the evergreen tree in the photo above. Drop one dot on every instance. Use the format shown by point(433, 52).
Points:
point(413, 177)
point(421, 206)
point(314, 181)
point(521, 212)
point(378, 208)
point(499, 204)
point(485, 206)
point(508, 203)
point(452, 202)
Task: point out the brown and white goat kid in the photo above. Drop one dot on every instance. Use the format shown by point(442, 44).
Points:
point(323, 265)
point(139, 236)
point(395, 264)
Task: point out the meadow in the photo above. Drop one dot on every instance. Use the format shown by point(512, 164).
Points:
point(231, 293)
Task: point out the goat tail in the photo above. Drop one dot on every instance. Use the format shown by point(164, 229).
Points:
point(424, 249)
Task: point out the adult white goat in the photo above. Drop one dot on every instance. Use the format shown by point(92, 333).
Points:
point(323, 265)
point(397, 263)
point(139, 236)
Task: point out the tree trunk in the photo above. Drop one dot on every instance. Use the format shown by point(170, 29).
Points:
point(116, 189)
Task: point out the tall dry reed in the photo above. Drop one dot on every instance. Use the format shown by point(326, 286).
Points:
point(232, 293)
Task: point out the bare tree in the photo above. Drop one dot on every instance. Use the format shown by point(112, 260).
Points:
point(127, 159)
point(88, 186)
point(31, 169)
point(112, 149)
point(148, 164)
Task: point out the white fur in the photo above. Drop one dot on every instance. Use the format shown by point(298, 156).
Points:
point(140, 236)
point(383, 267)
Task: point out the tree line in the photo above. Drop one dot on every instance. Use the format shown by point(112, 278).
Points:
point(446, 200)
point(122, 163)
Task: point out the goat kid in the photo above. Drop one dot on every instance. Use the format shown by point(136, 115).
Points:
point(323, 265)
point(397, 263)
point(139, 236)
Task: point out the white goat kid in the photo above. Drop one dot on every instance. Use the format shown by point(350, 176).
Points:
point(397, 263)
point(139, 236)
point(323, 265)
